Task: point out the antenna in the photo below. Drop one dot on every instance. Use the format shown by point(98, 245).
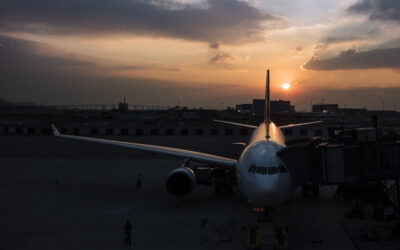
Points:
point(267, 111)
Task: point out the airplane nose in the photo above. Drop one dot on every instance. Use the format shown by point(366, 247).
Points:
point(270, 191)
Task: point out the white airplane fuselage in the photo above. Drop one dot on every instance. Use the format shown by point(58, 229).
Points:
point(261, 175)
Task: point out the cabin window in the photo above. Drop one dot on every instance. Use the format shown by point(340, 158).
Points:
point(252, 169)
point(262, 170)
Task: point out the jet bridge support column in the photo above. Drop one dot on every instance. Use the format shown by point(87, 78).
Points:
point(398, 197)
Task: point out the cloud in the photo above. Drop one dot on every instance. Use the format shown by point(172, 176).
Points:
point(341, 39)
point(24, 55)
point(221, 57)
point(298, 51)
point(214, 46)
point(216, 21)
point(18, 54)
point(129, 67)
point(26, 74)
point(386, 10)
point(350, 59)
point(336, 39)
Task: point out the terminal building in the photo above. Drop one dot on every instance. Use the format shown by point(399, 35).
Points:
point(323, 108)
point(277, 107)
point(244, 108)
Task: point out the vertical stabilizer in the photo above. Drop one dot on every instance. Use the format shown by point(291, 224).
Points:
point(267, 111)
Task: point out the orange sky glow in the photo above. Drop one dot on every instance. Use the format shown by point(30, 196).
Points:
point(333, 54)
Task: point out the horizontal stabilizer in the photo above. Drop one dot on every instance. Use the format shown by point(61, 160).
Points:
point(236, 124)
point(299, 124)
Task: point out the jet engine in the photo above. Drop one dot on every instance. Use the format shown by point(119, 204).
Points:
point(181, 181)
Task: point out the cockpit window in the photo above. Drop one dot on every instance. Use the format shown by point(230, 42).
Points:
point(262, 170)
point(273, 170)
point(267, 170)
point(252, 169)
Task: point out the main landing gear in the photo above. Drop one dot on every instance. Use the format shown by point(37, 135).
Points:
point(314, 188)
point(223, 181)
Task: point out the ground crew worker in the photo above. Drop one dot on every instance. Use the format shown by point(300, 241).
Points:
point(139, 183)
point(128, 230)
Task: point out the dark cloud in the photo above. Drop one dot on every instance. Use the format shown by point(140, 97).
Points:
point(26, 55)
point(333, 39)
point(127, 67)
point(221, 57)
point(214, 45)
point(341, 39)
point(350, 59)
point(17, 54)
point(386, 10)
point(27, 75)
point(227, 21)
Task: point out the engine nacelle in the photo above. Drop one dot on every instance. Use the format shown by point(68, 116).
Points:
point(181, 181)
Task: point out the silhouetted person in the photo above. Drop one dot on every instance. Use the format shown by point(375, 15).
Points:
point(139, 183)
point(128, 230)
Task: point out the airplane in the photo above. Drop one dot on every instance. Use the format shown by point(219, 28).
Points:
point(263, 178)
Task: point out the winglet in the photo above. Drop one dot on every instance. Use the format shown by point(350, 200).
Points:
point(55, 130)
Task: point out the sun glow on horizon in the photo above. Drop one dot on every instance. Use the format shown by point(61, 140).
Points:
point(286, 86)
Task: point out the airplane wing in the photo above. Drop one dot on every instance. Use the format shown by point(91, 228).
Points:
point(175, 152)
point(298, 124)
point(236, 124)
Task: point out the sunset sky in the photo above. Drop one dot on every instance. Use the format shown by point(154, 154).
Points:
point(200, 52)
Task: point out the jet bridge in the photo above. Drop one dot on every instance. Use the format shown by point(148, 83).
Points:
point(330, 163)
point(358, 160)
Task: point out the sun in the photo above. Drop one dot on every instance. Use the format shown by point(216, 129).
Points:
point(286, 86)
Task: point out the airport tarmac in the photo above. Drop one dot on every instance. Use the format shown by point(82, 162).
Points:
point(62, 194)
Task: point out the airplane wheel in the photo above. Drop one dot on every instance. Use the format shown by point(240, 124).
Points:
point(229, 190)
point(304, 190)
point(315, 190)
point(218, 189)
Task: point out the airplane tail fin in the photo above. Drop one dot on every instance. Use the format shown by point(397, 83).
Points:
point(267, 111)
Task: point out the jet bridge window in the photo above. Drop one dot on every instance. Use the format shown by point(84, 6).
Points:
point(252, 169)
